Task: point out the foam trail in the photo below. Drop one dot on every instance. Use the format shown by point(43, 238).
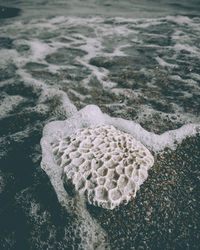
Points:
point(47, 92)
point(169, 139)
point(92, 115)
point(92, 235)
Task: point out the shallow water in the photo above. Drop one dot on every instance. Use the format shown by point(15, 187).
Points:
point(127, 8)
point(136, 60)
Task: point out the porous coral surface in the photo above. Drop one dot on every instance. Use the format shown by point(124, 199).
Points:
point(103, 163)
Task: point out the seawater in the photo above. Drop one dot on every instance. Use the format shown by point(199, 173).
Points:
point(136, 61)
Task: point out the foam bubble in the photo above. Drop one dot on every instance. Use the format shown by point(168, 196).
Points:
point(39, 49)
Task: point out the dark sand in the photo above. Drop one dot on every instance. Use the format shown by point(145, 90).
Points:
point(165, 213)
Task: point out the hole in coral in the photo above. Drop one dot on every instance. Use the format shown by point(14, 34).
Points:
point(101, 193)
point(116, 175)
point(115, 194)
point(76, 144)
point(101, 181)
point(107, 158)
point(89, 177)
point(123, 180)
point(80, 184)
point(67, 163)
point(111, 184)
point(90, 156)
point(137, 166)
point(129, 171)
point(102, 171)
point(78, 161)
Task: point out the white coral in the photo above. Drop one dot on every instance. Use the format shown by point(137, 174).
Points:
point(105, 164)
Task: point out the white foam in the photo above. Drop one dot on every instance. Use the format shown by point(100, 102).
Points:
point(157, 143)
point(7, 56)
point(179, 116)
point(66, 108)
point(180, 19)
point(8, 103)
point(39, 49)
point(80, 96)
point(192, 49)
point(190, 82)
point(123, 31)
point(108, 84)
point(165, 64)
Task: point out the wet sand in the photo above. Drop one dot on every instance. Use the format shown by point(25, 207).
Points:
point(165, 213)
